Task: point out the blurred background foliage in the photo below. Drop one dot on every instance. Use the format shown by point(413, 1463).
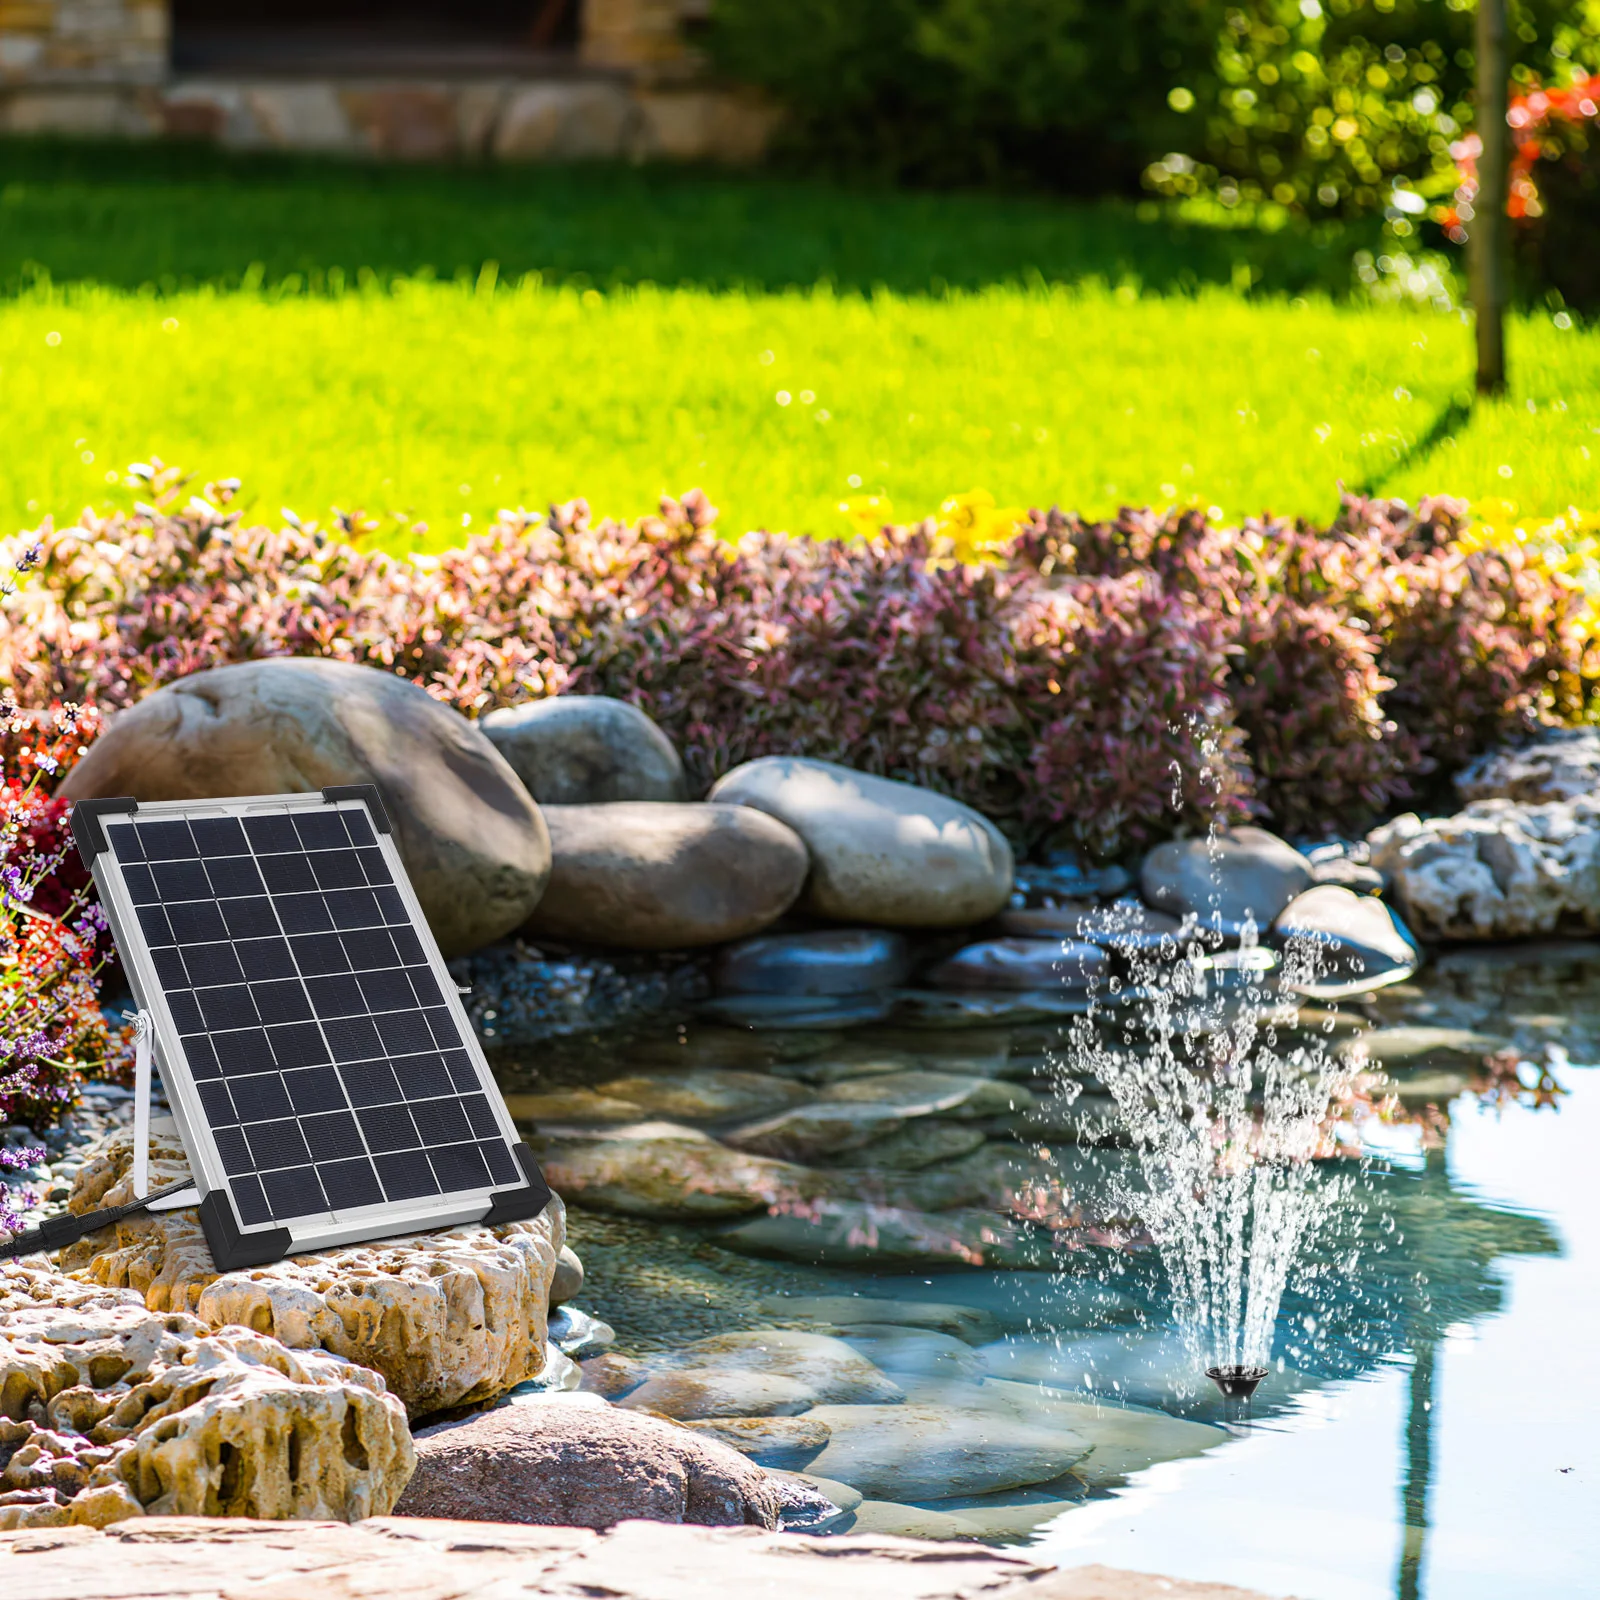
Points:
point(1319, 108)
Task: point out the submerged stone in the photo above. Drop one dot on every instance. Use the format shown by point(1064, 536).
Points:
point(775, 1011)
point(915, 1146)
point(845, 1311)
point(834, 961)
point(781, 1442)
point(944, 1009)
point(1023, 965)
point(693, 1096)
point(832, 1232)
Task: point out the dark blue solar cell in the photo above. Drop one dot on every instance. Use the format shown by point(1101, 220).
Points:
point(314, 1089)
point(293, 1193)
point(233, 877)
point(423, 1076)
point(243, 1052)
point(352, 1038)
point(182, 880)
point(170, 968)
point(141, 882)
point(283, 1001)
point(201, 1055)
point(481, 1115)
point(353, 908)
point(227, 1008)
point(462, 1072)
point(443, 1025)
point(154, 925)
point(235, 1153)
point(374, 868)
point(211, 964)
point(166, 841)
point(408, 946)
point(321, 830)
point(441, 1121)
point(319, 953)
point(271, 832)
point(219, 1108)
point(406, 1175)
point(298, 1044)
point(392, 907)
point(388, 1128)
point(425, 986)
point(357, 826)
point(185, 1011)
point(387, 991)
point(277, 1144)
point(337, 869)
point(250, 1201)
point(260, 1098)
point(459, 1166)
point(403, 1033)
point(349, 1184)
point(287, 874)
point(265, 958)
point(196, 922)
point(304, 913)
point(333, 1137)
point(370, 1083)
point(250, 919)
point(123, 838)
point(337, 996)
point(370, 948)
point(503, 1166)
point(218, 836)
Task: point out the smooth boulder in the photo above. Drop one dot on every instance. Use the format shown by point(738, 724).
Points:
point(586, 749)
point(1021, 965)
point(1240, 874)
point(833, 961)
point(641, 875)
point(881, 851)
point(1340, 943)
point(584, 1467)
point(472, 838)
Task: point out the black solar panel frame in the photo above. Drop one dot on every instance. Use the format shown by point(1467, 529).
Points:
point(233, 1178)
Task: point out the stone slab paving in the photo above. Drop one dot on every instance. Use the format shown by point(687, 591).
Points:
point(401, 1558)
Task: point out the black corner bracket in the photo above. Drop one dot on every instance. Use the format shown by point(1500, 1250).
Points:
point(361, 791)
point(87, 833)
point(519, 1205)
point(233, 1250)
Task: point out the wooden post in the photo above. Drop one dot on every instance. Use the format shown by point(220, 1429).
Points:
point(1489, 239)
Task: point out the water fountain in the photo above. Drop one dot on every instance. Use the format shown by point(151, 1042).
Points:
point(1226, 1099)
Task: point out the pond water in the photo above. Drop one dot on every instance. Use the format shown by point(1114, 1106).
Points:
point(1430, 1424)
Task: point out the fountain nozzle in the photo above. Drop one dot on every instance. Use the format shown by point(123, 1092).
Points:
point(1236, 1383)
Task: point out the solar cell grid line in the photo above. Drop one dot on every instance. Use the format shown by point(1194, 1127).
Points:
point(315, 1054)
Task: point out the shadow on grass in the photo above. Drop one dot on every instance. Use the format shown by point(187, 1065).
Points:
point(1450, 421)
point(172, 216)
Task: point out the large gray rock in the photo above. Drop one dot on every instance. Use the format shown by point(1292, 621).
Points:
point(831, 961)
point(881, 851)
point(584, 1467)
point(1354, 943)
point(653, 876)
point(586, 749)
point(471, 836)
point(1243, 872)
point(1498, 870)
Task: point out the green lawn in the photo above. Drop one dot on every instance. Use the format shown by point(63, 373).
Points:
point(333, 335)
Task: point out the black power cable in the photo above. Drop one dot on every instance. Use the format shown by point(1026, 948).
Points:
point(56, 1233)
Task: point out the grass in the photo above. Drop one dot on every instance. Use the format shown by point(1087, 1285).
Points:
point(433, 345)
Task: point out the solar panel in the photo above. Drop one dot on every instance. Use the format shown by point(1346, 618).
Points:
point(315, 1053)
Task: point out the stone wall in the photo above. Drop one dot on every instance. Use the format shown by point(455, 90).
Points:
point(100, 67)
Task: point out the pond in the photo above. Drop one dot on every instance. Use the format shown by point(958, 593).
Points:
point(1430, 1422)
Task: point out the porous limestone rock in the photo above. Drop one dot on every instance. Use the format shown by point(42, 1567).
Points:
point(108, 1411)
point(1498, 870)
point(1240, 873)
point(882, 852)
point(473, 841)
point(585, 1468)
point(1561, 764)
point(447, 1318)
point(642, 875)
point(586, 749)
